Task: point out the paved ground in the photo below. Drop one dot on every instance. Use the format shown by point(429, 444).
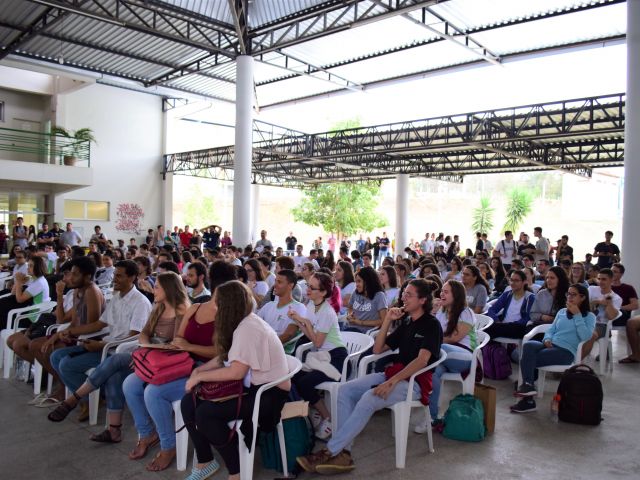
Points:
point(523, 446)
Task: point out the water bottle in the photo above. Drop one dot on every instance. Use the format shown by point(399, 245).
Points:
point(555, 407)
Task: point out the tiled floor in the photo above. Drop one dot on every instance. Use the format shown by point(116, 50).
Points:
point(523, 446)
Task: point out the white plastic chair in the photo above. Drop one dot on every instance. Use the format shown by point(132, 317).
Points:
point(38, 369)
point(468, 383)
point(13, 321)
point(94, 396)
point(402, 414)
point(483, 322)
point(246, 455)
point(605, 348)
point(549, 368)
point(356, 344)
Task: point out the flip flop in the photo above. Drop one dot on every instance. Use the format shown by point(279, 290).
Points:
point(155, 466)
point(48, 402)
point(628, 360)
point(37, 399)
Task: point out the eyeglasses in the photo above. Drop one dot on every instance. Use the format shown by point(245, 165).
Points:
point(409, 295)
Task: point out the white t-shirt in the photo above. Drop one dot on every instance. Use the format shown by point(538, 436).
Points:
point(299, 260)
point(467, 316)
point(261, 288)
point(271, 279)
point(278, 318)
point(513, 312)
point(325, 320)
point(124, 314)
point(344, 292)
point(24, 269)
point(508, 249)
point(392, 295)
point(38, 288)
point(596, 294)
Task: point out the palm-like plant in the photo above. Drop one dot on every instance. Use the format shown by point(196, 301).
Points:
point(519, 203)
point(81, 135)
point(483, 216)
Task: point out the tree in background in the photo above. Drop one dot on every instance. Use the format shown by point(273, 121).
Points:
point(342, 208)
point(483, 216)
point(199, 208)
point(519, 203)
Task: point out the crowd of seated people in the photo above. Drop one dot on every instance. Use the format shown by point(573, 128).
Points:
point(237, 309)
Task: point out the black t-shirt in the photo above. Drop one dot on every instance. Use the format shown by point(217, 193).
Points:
point(410, 337)
point(211, 239)
point(602, 247)
point(384, 244)
point(291, 242)
point(522, 248)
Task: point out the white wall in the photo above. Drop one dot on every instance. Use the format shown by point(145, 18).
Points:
point(127, 161)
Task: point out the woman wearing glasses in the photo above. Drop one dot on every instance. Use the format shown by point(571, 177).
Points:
point(320, 326)
point(571, 326)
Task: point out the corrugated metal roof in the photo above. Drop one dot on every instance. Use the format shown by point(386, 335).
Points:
point(378, 50)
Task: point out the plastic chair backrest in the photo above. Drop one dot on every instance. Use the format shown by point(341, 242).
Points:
point(483, 322)
point(357, 343)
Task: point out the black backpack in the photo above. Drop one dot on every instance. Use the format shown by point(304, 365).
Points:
point(580, 394)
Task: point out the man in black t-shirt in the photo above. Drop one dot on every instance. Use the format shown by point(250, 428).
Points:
point(418, 340)
point(211, 236)
point(291, 242)
point(608, 253)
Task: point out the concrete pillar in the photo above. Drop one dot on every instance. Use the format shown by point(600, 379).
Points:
point(167, 183)
point(402, 213)
point(630, 219)
point(243, 146)
point(255, 213)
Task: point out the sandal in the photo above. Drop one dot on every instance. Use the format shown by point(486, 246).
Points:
point(47, 402)
point(60, 413)
point(628, 360)
point(143, 446)
point(37, 399)
point(105, 435)
point(156, 464)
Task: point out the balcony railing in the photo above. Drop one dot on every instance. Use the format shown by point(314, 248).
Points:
point(43, 148)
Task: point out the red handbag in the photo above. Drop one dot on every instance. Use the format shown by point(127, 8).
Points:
point(219, 391)
point(158, 367)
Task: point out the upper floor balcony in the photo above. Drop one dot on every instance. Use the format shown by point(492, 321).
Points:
point(60, 163)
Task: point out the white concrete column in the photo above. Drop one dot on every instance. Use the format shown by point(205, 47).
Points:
point(167, 183)
point(255, 213)
point(402, 213)
point(243, 146)
point(630, 218)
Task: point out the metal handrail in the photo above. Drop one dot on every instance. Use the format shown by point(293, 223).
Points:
point(44, 147)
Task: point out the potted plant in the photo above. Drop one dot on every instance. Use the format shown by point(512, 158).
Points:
point(79, 136)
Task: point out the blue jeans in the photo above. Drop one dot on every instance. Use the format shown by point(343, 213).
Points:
point(535, 354)
point(455, 363)
point(110, 374)
point(357, 404)
point(152, 405)
point(71, 363)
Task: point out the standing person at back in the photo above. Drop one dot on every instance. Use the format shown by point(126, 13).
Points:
point(263, 242)
point(70, 237)
point(542, 245)
point(608, 253)
point(291, 242)
point(384, 246)
point(506, 249)
point(20, 234)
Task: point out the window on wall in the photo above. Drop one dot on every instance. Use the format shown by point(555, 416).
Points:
point(86, 210)
point(1, 111)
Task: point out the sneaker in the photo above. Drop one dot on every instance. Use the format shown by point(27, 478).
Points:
point(526, 390)
point(309, 462)
point(525, 405)
point(436, 425)
point(323, 431)
point(316, 418)
point(203, 473)
point(341, 463)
